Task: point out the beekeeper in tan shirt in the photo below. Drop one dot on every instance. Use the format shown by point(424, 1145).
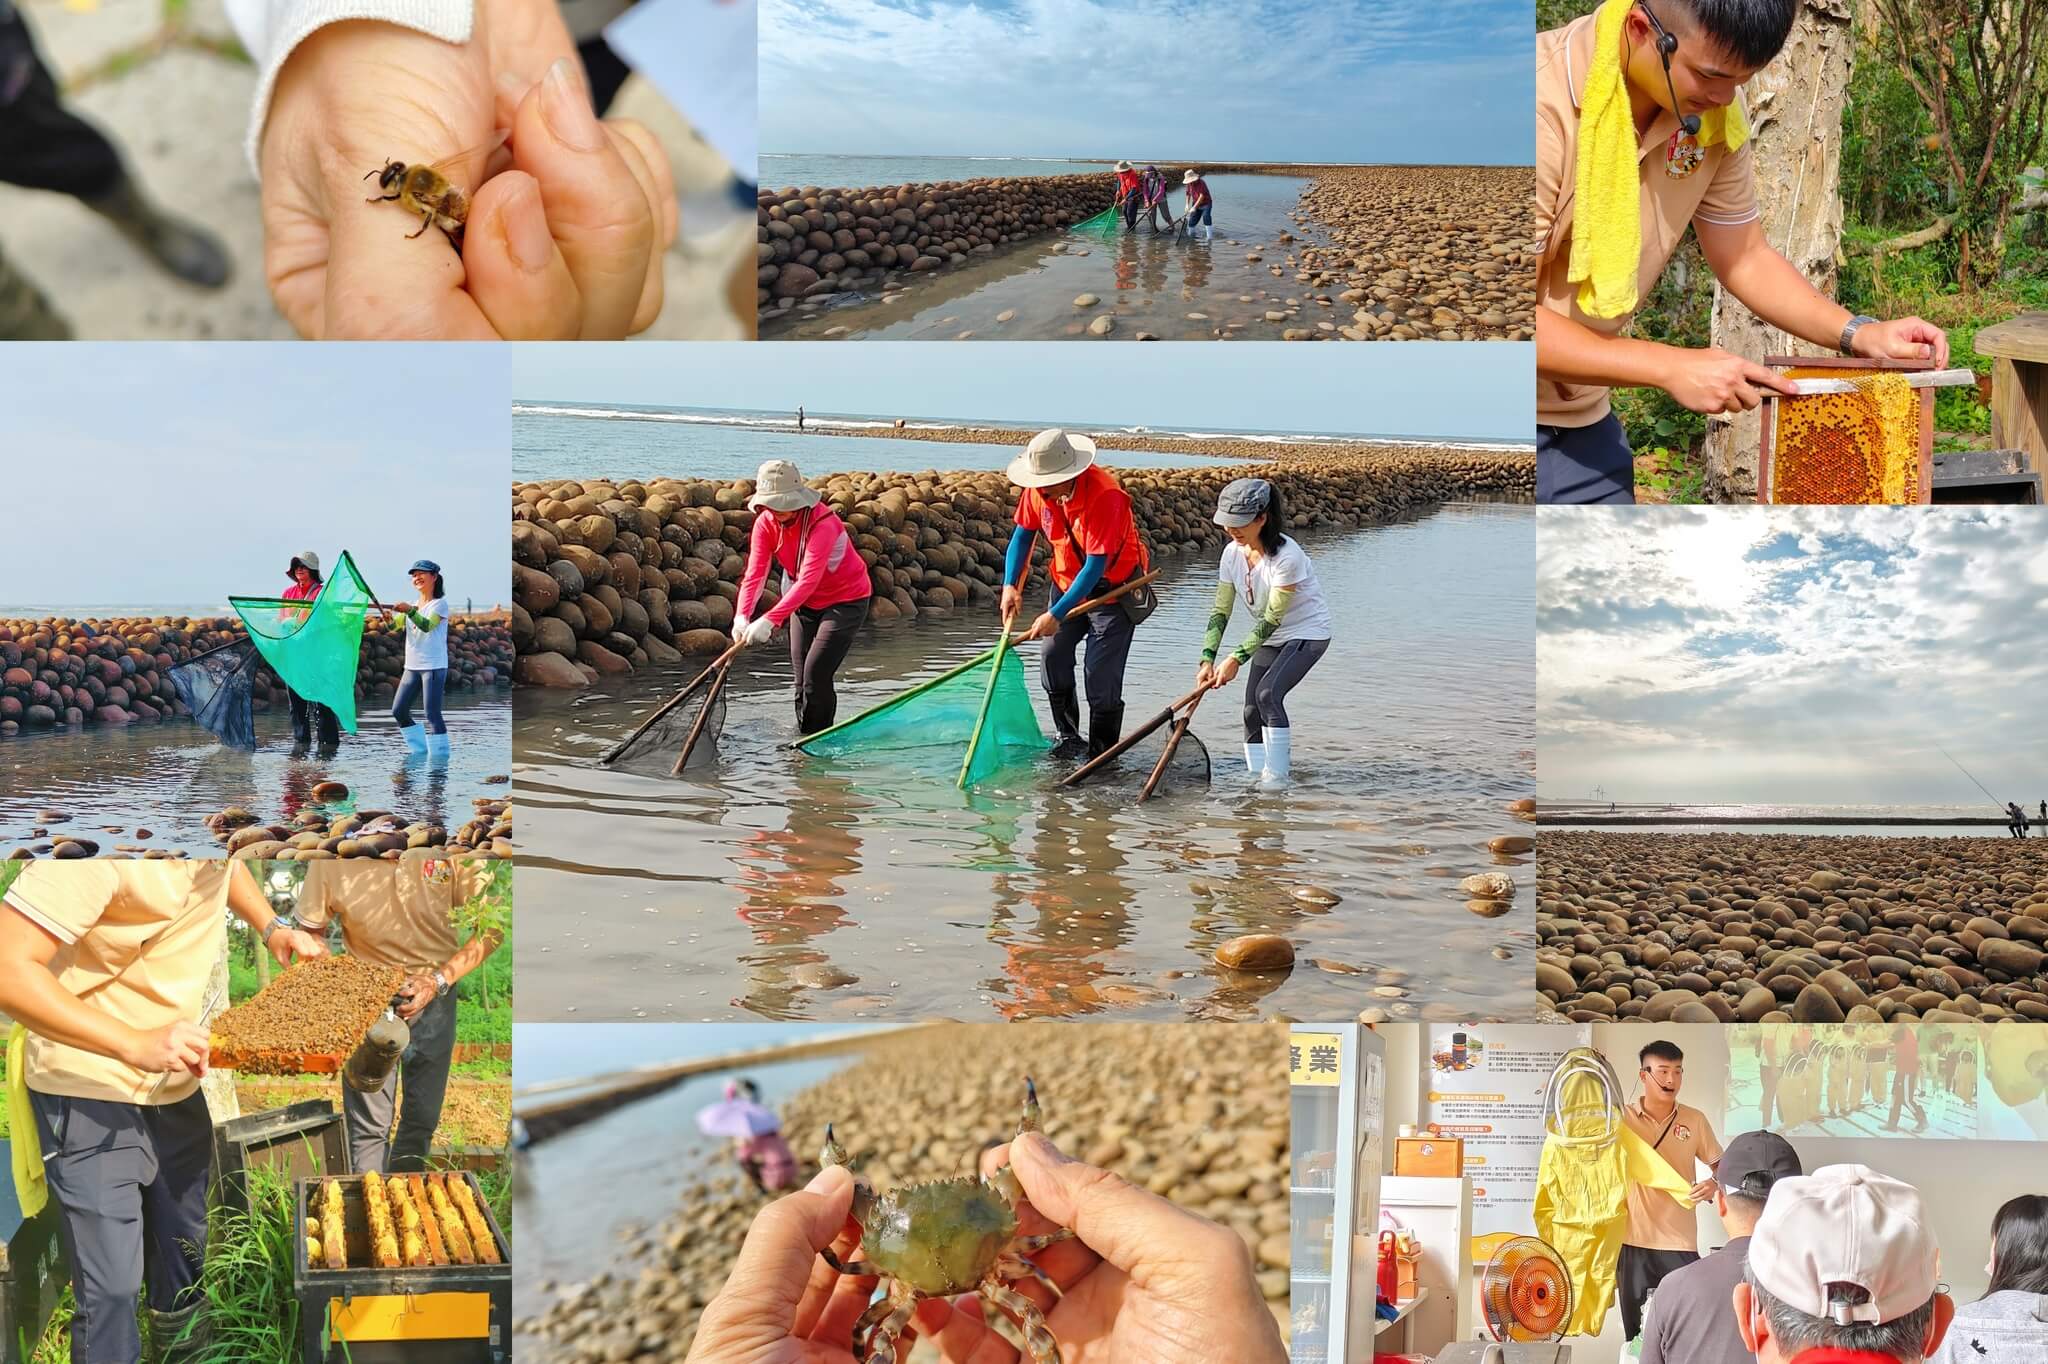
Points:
point(1653, 109)
point(401, 914)
point(105, 965)
point(1663, 1234)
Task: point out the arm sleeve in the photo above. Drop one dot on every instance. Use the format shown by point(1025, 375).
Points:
point(311, 908)
point(1710, 1145)
point(1730, 200)
point(1083, 584)
point(271, 29)
point(1017, 562)
point(1226, 598)
point(64, 902)
point(758, 555)
point(817, 553)
point(1265, 623)
point(1550, 179)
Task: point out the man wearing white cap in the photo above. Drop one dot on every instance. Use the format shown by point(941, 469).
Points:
point(825, 587)
point(1085, 516)
point(1843, 1269)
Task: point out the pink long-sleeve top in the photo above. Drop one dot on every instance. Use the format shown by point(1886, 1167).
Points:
point(830, 572)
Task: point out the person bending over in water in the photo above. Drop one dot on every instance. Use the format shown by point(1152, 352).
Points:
point(825, 587)
point(1199, 204)
point(1290, 621)
point(1127, 194)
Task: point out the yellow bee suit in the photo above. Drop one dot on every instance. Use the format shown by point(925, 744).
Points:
point(1582, 1191)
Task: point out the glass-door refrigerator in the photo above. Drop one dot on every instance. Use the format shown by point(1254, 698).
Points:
point(1338, 1087)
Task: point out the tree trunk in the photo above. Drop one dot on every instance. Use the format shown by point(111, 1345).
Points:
point(219, 1085)
point(1795, 112)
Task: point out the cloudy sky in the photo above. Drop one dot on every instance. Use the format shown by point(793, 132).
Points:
point(1791, 654)
point(1259, 80)
point(175, 475)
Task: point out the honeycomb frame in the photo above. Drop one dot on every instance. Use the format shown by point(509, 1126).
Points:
point(1865, 472)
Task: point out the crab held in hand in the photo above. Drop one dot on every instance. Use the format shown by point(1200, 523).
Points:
point(950, 1236)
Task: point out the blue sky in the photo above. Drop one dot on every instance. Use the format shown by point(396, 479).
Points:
point(1792, 654)
point(1263, 80)
point(1476, 389)
point(160, 473)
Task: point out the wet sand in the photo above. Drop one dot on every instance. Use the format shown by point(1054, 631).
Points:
point(1197, 1115)
point(777, 886)
point(1751, 927)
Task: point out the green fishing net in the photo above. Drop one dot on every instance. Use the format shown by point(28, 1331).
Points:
point(1103, 224)
point(314, 645)
point(931, 726)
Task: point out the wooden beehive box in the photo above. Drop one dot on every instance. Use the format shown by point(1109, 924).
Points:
point(33, 1271)
point(305, 1138)
point(1767, 453)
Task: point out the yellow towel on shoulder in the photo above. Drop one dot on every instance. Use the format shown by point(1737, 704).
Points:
point(29, 1185)
point(1607, 234)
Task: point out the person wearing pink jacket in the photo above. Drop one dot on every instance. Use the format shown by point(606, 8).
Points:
point(825, 587)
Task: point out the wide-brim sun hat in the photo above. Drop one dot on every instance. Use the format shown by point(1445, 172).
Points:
point(306, 558)
point(1052, 457)
point(779, 487)
point(1123, 165)
point(1188, 177)
point(1241, 501)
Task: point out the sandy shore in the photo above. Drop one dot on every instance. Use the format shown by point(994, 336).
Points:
point(1195, 1113)
point(1786, 927)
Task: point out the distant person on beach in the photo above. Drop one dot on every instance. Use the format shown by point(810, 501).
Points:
point(1290, 621)
point(2016, 820)
point(764, 1157)
point(1127, 194)
point(799, 416)
point(825, 587)
point(1659, 76)
point(43, 145)
point(1140, 1280)
point(304, 572)
point(426, 663)
point(1085, 516)
point(1199, 204)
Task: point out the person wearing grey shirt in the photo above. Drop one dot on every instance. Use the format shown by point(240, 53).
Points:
point(2009, 1324)
point(1691, 1318)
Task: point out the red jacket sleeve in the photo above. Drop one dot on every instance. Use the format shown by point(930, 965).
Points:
point(760, 549)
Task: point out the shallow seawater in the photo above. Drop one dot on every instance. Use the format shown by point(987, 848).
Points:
point(1803, 830)
point(782, 886)
point(168, 777)
point(1149, 281)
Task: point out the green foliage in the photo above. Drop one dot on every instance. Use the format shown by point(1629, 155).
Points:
point(9, 869)
point(1556, 13)
point(1890, 175)
point(484, 1012)
point(490, 909)
point(248, 1276)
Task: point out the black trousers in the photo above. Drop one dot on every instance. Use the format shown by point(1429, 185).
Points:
point(1585, 464)
point(306, 714)
point(1638, 1275)
point(130, 1180)
point(1108, 632)
point(43, 145)
point(818, 642)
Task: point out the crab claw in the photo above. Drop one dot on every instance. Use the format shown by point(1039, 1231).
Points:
point(1029, 1122)
point(834, 1153)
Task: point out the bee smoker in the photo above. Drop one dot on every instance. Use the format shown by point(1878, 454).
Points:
point(370, 1064)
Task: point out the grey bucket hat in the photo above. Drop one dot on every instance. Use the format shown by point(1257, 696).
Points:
point(1241, 501)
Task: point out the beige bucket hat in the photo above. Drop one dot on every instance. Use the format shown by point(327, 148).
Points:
point(306, 557)
point(1052, 457)
point(779, 487)
point(1123, 165)
point(1189, 176)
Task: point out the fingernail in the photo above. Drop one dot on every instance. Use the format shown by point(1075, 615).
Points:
point(527, 239)
point(513, 88)
point(567, 109)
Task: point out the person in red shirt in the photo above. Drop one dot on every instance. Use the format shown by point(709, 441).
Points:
point(304, 571)
point(825, 587)
point(1085, 517)
point(1128, 183)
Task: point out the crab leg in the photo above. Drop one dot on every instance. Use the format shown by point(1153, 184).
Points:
point(1031, 1245)
point(1015, 1268)
point(869, 1320)
point(1037, 1344)
point(880, 1347)
point(850, 1266)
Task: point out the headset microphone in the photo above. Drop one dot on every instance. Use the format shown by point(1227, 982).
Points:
point(1667, 45)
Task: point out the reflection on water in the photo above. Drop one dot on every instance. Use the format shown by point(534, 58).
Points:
point(782, 886)
point(168, 777)
point(1149, 281)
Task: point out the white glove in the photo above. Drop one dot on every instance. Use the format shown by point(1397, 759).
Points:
point(739, 628)
point(759, 630)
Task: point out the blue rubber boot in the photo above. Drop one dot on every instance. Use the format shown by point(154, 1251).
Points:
point(1279, 756)
point(415, 737)
point(437, 748)
point(1254, 759)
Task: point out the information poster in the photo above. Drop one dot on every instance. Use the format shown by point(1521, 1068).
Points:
point(1485, 1084)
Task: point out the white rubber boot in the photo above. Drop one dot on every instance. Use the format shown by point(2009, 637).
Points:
point(1279, 756)
point(415, 737)
point(437, 748)
point(1254, 758)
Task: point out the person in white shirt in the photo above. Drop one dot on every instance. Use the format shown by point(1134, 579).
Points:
point(1290, 621)
point(426, 662)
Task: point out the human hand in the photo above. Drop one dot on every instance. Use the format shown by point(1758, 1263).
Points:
point(783, 1304)
point(1205, 676)
point(566, 222)
point(1045, 627)
point(1226, 671)
point(415, 995)
point(1143, 1280)
point(759, 631)
point(1905, 338)
point(1013, 602)
point(295, 943)
point(739, 629)
point(1712, 380)
point(1703, 1191)
point(175, 1049)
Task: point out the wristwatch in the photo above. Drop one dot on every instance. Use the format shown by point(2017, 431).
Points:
point(1849, 329)
point(442, 985)
point(277, 921)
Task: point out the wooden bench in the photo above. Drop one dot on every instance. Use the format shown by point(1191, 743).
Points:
point(2019, 384)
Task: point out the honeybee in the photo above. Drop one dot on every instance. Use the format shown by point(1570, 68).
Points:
point(427, 191)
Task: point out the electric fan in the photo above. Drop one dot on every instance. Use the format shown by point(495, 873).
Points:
point(1525, 1298)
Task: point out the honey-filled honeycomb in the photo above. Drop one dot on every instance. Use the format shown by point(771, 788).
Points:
point(1837, 448)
